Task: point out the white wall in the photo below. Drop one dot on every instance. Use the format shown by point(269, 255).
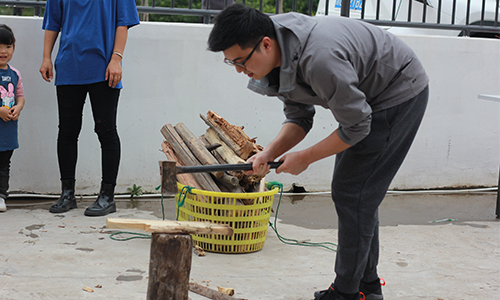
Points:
point(170, 77)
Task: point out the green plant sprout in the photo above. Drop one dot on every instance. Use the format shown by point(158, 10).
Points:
point(135, 190)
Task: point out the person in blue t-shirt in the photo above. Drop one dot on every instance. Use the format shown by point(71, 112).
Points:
point(93, 35)
point(11, 104)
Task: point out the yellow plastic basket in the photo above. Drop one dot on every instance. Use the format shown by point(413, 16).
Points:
point(249, 222)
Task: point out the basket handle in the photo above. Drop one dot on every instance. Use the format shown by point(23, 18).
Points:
point(222, 168)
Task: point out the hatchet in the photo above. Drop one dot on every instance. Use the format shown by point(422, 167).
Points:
point(169, 170)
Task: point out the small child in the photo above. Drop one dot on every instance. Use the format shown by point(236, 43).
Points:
point(11, 104)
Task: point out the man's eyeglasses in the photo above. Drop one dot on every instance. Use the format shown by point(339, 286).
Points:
point(242, 64)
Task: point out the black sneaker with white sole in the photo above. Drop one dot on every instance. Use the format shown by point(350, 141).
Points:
point(332, 294)
point(372, 290)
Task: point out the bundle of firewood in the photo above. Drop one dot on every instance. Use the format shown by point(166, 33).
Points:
point(222, 143)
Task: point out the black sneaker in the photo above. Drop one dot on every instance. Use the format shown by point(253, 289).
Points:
point(372, 290)
point(332, 294)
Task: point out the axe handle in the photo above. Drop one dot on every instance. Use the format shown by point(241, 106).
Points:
point(221, 168)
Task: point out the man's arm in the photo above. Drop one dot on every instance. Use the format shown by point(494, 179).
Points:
point(297, 162)
point(290, 135)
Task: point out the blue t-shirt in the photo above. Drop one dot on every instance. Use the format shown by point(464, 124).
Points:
point(87, 35)
point(9, 80)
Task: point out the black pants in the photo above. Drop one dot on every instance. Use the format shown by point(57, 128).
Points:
point(5, 171)
point(361, 178)
point(104, 102)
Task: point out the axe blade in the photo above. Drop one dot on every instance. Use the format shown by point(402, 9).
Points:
point(168, 172)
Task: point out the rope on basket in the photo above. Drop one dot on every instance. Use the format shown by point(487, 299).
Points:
point(182, 195)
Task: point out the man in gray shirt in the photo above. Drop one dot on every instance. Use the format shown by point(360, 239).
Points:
point(376, 89)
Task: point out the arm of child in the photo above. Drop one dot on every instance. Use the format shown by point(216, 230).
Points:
point(15, 111)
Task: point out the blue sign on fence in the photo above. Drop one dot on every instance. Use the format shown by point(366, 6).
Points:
point(355, 4)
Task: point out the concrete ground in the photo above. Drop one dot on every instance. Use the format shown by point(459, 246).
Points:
point(422, 256)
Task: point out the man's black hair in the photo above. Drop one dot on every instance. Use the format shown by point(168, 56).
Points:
point(239, 24)
point(6, 35)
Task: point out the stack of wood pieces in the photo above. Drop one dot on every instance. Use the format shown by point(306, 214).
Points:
point(222, 143)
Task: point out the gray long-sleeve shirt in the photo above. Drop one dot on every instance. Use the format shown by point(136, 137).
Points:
point(345, 65)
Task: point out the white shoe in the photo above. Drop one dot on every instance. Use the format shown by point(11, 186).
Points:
point(2, 204)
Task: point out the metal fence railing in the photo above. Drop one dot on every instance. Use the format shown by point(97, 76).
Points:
point(467, 17)
point(470, 17)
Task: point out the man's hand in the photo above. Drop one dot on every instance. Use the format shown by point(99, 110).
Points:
point(259, 162)
point(297, 162)
point(293, 163)
point(289, 136)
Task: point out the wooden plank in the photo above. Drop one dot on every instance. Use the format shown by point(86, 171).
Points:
point(159, 226)
point(169, 266)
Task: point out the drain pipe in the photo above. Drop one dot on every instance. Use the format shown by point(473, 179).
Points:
point(319, 193)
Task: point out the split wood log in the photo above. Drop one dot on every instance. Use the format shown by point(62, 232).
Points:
point(247, 182)
point(169, 266)
point(180, 227)
point(197, 148)
point(209, 293)
point(185, 178)
point(199, 251)
point(226, 291)
point(229, 128)
point(212, 149)
point(251, 183)
point(187, 158)
point(234, 183)
point(204, 156)
point(262, 188)
point(234, 180)
point(224, 151)
point(237, 140)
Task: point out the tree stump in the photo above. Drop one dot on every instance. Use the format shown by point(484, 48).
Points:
point(169, 266)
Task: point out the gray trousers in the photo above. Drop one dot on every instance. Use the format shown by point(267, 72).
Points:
point(361, 177)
